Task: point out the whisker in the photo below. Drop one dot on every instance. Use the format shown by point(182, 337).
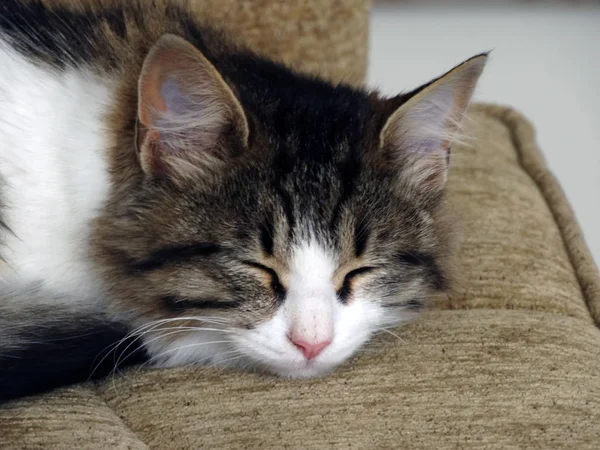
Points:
point(393, 334)
point(182, 347)
point(170, 331)
point(110, 349)
point(220, 364)
point(141, 330)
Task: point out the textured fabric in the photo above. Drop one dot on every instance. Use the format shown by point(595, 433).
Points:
point(533, 163)
point(324, 37)
point(513, 255)
point(73, 418)
point(512, 360)
point(467, 379)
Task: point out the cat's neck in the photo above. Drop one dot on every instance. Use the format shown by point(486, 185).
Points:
point(54, 171)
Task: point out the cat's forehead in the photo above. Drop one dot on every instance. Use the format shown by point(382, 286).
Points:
point(310, 118)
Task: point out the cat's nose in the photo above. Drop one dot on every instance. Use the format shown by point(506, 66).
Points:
point(309, 349)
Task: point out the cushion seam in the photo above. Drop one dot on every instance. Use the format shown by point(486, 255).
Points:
point(121, 420)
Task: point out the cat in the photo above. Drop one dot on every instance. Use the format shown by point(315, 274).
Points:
point(169, 196)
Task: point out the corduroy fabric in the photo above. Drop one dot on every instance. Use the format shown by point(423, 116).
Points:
point(73, 418)
point(461, 379)
point(323, 37)
point(512, 360)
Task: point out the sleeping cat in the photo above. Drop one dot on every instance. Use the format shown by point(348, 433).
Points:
point(169, 196)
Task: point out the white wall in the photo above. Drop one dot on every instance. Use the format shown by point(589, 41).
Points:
point(545, 62)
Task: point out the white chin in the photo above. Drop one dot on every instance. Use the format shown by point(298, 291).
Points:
point(309, 370)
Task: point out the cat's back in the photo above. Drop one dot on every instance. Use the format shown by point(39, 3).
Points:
point(105, 35)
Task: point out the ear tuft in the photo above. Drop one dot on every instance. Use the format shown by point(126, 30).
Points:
point(418, 134)
point(188, 116)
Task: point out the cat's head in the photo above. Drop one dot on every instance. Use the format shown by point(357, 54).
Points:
point(279, 221)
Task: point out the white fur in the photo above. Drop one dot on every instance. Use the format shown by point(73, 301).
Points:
point(311, 300)
point(54, 170)
point(192, 347)
point(311, 311)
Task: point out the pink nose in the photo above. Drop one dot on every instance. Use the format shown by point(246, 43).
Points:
point(309, 350)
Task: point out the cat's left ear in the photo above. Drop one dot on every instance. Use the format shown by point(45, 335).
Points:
point(417, 136)
point(189, 120)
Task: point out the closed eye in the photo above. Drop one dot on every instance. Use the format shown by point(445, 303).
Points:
point(346, 289)
point(180, 304)
point(276, 286)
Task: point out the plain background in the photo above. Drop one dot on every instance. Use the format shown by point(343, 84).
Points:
point(545, 62)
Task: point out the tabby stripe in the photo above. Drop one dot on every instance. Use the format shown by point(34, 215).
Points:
point(348, 171)
point(266, 236)
point(361, 236)
point(428, 262)
point(177, 304)
point(288, 209)
point(172, 255)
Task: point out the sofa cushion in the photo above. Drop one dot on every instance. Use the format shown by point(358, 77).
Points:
point(71, 418)
point(514, 254)
point(493, 378)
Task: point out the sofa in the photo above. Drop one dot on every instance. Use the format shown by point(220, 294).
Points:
point(510, 360)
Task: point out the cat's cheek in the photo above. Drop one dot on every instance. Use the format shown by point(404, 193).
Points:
point(174, 348)
point(267, 346)
point(354, 324)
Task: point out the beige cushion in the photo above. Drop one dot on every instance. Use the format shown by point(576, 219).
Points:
point(512, 360)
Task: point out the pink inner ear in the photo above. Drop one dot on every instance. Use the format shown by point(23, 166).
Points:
point(185, 106)
point(151, 100)
point(172, 97)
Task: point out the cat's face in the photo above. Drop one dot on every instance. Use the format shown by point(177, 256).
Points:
point(280, 262)
point(312, 224)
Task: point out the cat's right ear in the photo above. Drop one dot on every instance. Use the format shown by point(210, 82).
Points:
point(415, 141)
point(189, 121)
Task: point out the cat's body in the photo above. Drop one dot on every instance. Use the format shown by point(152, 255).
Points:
point(167, 190)
point(52, 159)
